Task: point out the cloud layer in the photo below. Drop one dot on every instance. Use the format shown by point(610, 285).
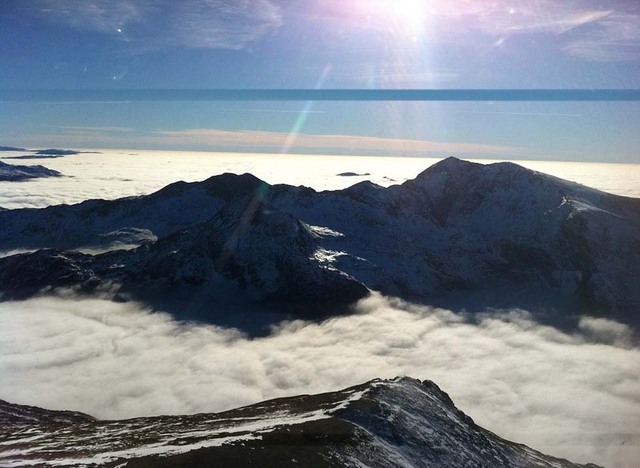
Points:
point(576, 396)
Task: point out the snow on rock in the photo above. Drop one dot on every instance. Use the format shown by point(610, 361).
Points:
point(391, 423)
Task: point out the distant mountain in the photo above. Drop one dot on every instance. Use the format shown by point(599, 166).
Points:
point(382, 423)
point(13, 173)
point(12, 148)
point(353, 174)
point(56, 152)
point(51, 153)
point(35, 156)
point(460, 235)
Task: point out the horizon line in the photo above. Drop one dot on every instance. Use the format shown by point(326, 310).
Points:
point(303, 94)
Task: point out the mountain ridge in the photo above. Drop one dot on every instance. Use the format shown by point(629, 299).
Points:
point(461, 235)
point(398, 422)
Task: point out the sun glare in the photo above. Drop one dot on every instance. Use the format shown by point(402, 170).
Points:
point(407, 16)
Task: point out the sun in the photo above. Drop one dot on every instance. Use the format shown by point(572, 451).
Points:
point(408, 17)
point(407, 10)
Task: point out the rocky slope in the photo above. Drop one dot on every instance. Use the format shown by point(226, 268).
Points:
point(460, 235)
point(391, 423)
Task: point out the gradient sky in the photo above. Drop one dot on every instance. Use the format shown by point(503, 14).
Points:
point(372, 44)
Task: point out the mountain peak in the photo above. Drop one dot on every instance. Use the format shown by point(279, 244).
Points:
point(228, 186)
point(450, 164)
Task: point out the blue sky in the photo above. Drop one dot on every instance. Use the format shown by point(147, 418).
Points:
point(372, 44)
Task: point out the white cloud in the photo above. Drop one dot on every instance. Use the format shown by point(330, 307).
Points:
point(606, 331)
point(590, 30)
point(549, 17)
point(617, 38)
point(223, 24)
point(597, 33)
point(103, 16)
point(155, 24)
point(568, 395)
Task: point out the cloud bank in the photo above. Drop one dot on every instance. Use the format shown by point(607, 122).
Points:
point(576, 396)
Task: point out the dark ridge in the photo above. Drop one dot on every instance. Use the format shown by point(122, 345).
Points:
point(448, 165)
point(12, 148)
point(365, 192)
point(175, 188)
point(58, 152)
point(455, 165)
point(247, 228)
point(24, 275)
point(229, 186)
point(11, 172)
point(353, 174)
point(225, 186)
point(14, 414)
point(415, 423)
point(36, 156)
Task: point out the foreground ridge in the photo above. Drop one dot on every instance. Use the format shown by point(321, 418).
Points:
point(392, 423)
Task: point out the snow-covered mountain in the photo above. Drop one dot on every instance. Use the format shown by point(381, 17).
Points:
point(14, 173)
point(383, 423)
point(460, 235)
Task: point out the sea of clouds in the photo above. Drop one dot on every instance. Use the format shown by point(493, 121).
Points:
point(110, 174)
point(571, 395)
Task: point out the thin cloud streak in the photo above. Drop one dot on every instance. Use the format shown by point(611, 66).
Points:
point(95, 129)
point(617, 38)
point(264, 141)
point(147, 25)
point(543, 114)
point(252, 139)
point(583, 29)
point(283, 111)
point(575, 396)
point(603, 35)
point(562, 24)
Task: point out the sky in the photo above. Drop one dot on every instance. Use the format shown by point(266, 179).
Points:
point(324, 44)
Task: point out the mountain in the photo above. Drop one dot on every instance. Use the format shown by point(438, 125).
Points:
point(13, 173)
point(391, 423)
point(460, 235)
point(12, 148)
point(166, 211)
point(56, 152)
